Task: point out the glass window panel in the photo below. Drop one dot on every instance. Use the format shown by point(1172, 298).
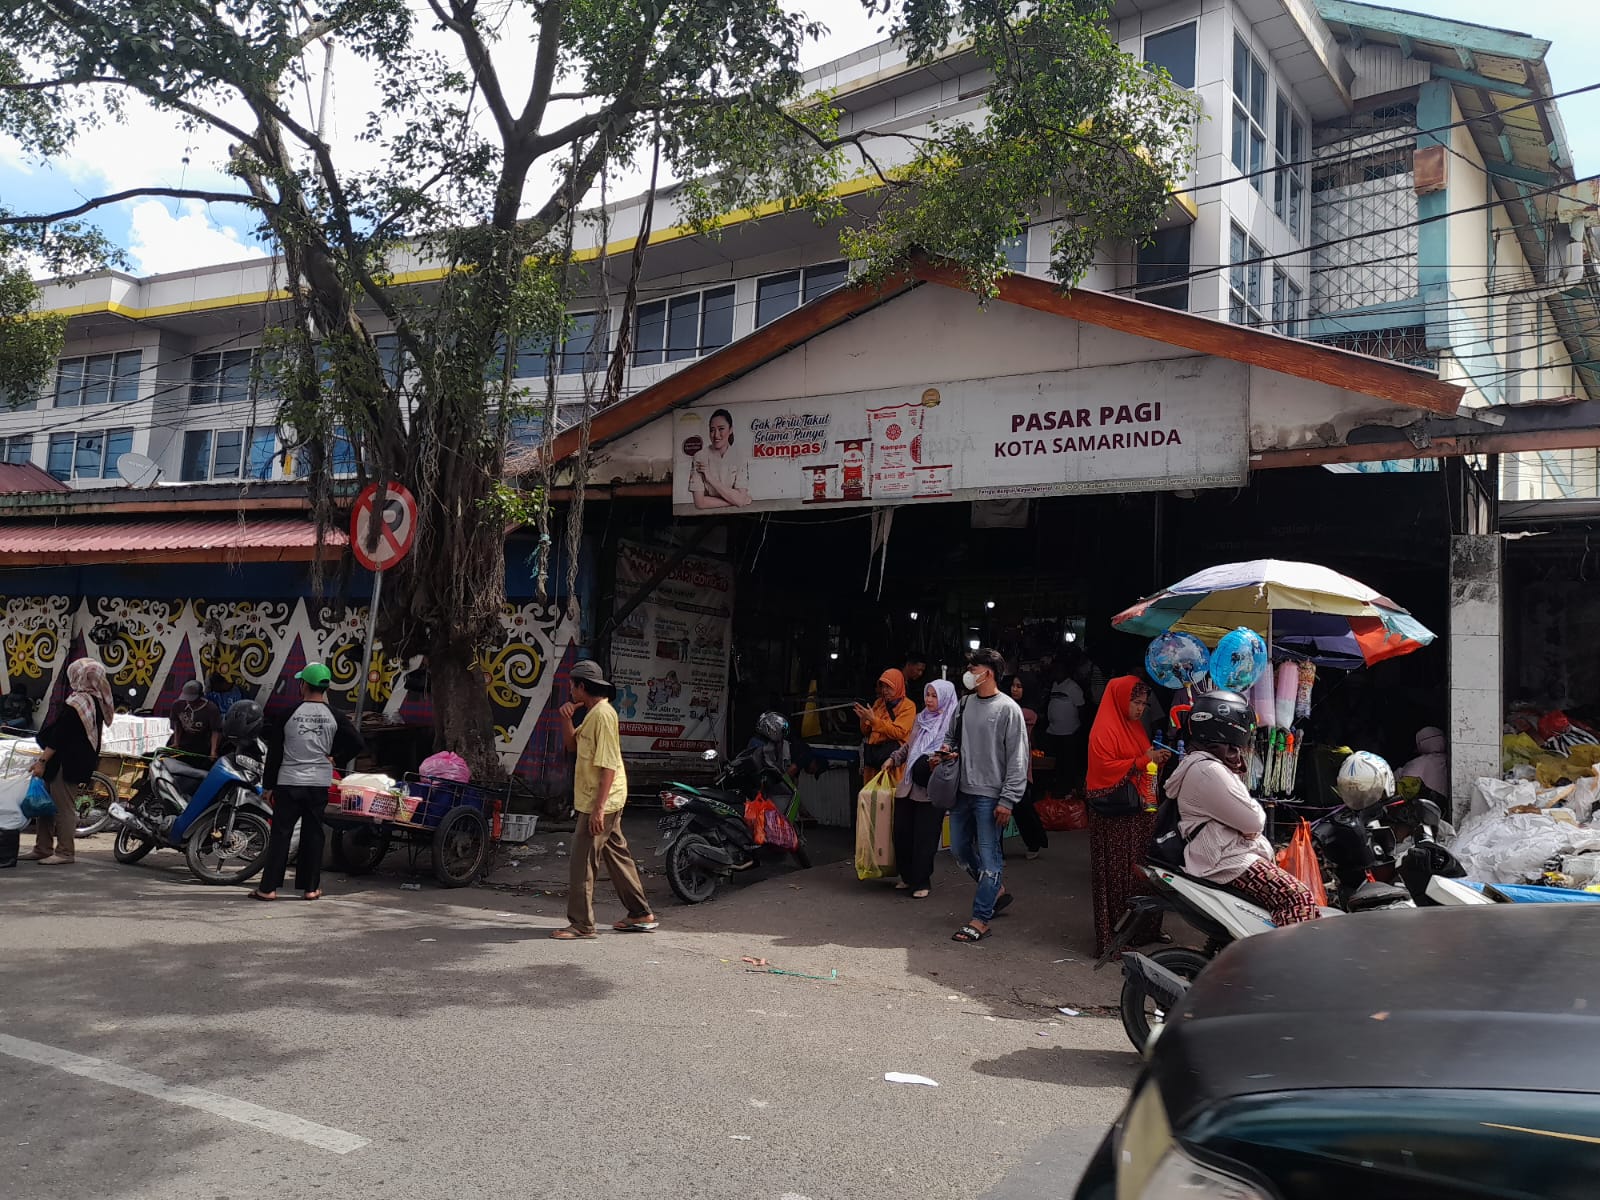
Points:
point(196, 455)
point(1280, 131)
point(1173, 49)
point(344, 454)
point(824, 278)
point(1296, 204)
point(533, 357)
point(1016, 252)
point(60, 461)
point(1258, 160)
point(263, 449)
point(1258, 92)
point(234, 387)
point(118, 443)
point(775, 296)
point(86, 463)
point(1167, 257)
point(1241, 69)
point(97, 370)
point(1241, 138)
point(716, 319)
point(1292, 320)
point(390, 360)
point(683, 327)
point(69, 382)
point(229, 454)
point(203, 373)
point(650, 334)
point(18, 450)
point(125, 388)
point(1170, 297)
point(585, 347)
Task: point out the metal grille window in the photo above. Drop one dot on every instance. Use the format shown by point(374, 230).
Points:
point(1244, 280)
point(1286, 300)
point(1249, 114)
point(88, 455)
point(1289, 180)
point(228, 454)
point(16, 450)
point(1173, 50)
point(221, 378)
point(1165, 259)
point(683, 327)
point(97, 379)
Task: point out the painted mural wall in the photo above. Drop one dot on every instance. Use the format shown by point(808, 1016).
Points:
point(152, 646)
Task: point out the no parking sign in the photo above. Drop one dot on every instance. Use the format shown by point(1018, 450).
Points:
point(396, 519)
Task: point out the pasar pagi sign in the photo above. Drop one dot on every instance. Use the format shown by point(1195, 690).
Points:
point(1178, 423)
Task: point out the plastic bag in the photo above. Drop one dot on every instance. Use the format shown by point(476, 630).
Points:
point(446, 765)
point(37, 804)
point(1299, 858)
point(1062, 814)
point(874, 828)
point(769, 826)
point(12, 793)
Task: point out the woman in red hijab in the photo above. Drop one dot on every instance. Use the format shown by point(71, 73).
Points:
point(1119, 752)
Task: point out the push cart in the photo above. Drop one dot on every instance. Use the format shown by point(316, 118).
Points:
point(451, 822)
point(94, 797)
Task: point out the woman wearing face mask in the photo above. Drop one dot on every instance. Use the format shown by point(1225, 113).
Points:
point(916, 821)
point(718, 477)
point(1119, 753)
point(1220, 823)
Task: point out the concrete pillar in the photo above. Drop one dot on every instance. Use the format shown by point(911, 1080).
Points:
point(1476, 704)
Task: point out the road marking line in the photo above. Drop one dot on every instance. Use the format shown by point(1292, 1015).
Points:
point(268, 1120)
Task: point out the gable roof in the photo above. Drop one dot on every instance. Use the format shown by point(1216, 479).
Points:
point(1385, 380)
point(25, 479)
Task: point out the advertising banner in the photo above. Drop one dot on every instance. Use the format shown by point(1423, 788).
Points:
point(669, 657)
point(1181, 423)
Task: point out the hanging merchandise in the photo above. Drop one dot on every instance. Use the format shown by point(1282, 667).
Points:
point(1288, 686)
point(1239, 660)
point(1302, 699)
point(1177, 660)
point(1264, 697)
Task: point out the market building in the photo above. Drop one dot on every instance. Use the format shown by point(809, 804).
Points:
point(1382, 262)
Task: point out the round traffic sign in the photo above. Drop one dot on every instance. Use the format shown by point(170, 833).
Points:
point(396, 521)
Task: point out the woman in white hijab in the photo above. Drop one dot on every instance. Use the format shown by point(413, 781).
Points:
point(70, 745)
point(917, 822)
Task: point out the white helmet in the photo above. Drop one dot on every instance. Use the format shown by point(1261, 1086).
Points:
point(1364, 781)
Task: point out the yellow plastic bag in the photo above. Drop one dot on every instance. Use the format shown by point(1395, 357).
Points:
point(875, 827)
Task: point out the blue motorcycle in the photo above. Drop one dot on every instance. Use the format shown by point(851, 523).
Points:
point(217, 817)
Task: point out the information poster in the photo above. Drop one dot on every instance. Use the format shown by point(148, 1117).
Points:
point(669, 656)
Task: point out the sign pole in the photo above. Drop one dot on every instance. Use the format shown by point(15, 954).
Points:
point(394, 512)
point(366, 654)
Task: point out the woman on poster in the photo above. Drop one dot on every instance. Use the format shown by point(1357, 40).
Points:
point(718, 475)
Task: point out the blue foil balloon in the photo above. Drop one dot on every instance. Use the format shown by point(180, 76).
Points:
point(1239, 660)
point(1177, 660)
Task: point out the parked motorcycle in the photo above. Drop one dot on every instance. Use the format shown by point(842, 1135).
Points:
point(705, 839)
point(217, 817)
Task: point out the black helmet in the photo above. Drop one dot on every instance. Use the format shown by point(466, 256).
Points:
point(244, 720)
point(1221, 719)
point(772, 726)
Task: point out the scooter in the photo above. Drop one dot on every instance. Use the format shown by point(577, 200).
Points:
point(705, 838)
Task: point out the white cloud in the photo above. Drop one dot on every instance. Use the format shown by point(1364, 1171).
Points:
point(160, 241)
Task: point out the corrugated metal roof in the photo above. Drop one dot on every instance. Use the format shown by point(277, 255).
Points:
point(20, 479)
point(260, 539)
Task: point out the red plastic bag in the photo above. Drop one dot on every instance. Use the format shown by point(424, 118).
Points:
point(1062, 815)
point(1299, 858)
point(769, 826)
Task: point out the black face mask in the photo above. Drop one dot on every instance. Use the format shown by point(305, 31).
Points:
point(1229, 756)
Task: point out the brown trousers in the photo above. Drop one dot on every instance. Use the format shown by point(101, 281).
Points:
point(588, 852)
point(58, 835)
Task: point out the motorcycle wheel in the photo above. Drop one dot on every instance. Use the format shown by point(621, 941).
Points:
point(1139, 1012)
point(130, 847)
point(94, 805)
point(802, 858)
point(359, 851)
point(209, 858)
point(690, 881)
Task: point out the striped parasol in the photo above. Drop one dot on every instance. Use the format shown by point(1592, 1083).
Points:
point(1302, 608)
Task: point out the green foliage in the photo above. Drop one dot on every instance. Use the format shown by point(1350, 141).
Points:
point(29, 343)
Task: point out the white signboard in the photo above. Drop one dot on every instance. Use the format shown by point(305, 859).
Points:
point(669, 657)
point(1181, 423)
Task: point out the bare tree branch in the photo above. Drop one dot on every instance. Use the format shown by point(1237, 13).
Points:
point(544, 67)
point(459, 22)
point(169, 193)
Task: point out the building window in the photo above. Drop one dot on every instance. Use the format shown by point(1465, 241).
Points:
point(16, 450)
point(344, 454)
point(778, 295)
point(1163, 271)
point(1244, 280)
point(98, 379)
point(683, 327)
point(1285, 304)
point(1016, 251)
point(1289, 180)
point(88, 455)
point(588, 335)
point(1173, 51)
point(228, 454)
point(392, 360)
point(1249, 114)
point(221, 378)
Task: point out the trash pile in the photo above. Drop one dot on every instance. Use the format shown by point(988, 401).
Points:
point(1518, 831)
point(1551, 747)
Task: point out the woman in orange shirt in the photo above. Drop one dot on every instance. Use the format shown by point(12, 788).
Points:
point(886, 726)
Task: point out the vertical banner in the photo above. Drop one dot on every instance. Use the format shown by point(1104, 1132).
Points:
point(669, 658)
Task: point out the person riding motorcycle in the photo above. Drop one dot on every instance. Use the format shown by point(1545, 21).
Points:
point(1220, 822)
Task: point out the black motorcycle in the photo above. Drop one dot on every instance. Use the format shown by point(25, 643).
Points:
point(705, 839)
point(1358, 850)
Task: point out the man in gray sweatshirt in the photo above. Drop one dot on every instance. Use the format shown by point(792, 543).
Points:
point(991, 739)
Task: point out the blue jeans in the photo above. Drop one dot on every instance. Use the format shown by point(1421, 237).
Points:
point(975, 841)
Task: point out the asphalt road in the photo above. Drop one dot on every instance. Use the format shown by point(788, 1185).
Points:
point(163, 1039)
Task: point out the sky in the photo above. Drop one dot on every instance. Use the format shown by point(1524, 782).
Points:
point(175, 235)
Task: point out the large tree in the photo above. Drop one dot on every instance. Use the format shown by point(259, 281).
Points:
point(494, 123)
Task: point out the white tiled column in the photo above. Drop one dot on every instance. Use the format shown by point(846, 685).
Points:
point(1476, 704)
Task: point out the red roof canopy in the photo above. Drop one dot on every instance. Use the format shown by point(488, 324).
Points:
point(271, 539)
point(20, 479)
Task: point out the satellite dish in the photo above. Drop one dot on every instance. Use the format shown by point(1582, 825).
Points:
point(138, 471)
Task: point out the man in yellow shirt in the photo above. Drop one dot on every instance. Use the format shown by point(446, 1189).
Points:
point(600, 789)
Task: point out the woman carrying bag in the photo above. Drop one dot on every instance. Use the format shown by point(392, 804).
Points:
point(71, 754)
point(917, 820)
point(886, 726)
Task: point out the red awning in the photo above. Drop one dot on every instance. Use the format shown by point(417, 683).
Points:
point(265, 539)
point(25, 479)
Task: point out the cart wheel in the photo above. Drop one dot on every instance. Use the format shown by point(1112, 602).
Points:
point(94, 805)
point(460, 847)
point(359, 851)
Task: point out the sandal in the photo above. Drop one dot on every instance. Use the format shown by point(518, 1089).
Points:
point(313, 895)
point(1003, 903)
point(644, 924)
point(258, 894)
point(902, 886)
point(569, 934)
point(920, 894)
point(970, 933)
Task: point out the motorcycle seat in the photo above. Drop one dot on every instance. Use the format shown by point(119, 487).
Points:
point(182, 770)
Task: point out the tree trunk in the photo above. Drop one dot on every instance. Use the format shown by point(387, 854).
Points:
point(463, 718)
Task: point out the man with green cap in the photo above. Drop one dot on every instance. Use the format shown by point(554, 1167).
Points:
point(301, 753)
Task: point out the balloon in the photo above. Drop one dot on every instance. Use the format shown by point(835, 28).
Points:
point(1177, 660)
point(1239, 660)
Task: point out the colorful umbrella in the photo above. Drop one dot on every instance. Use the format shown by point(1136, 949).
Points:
point(1308, 610)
